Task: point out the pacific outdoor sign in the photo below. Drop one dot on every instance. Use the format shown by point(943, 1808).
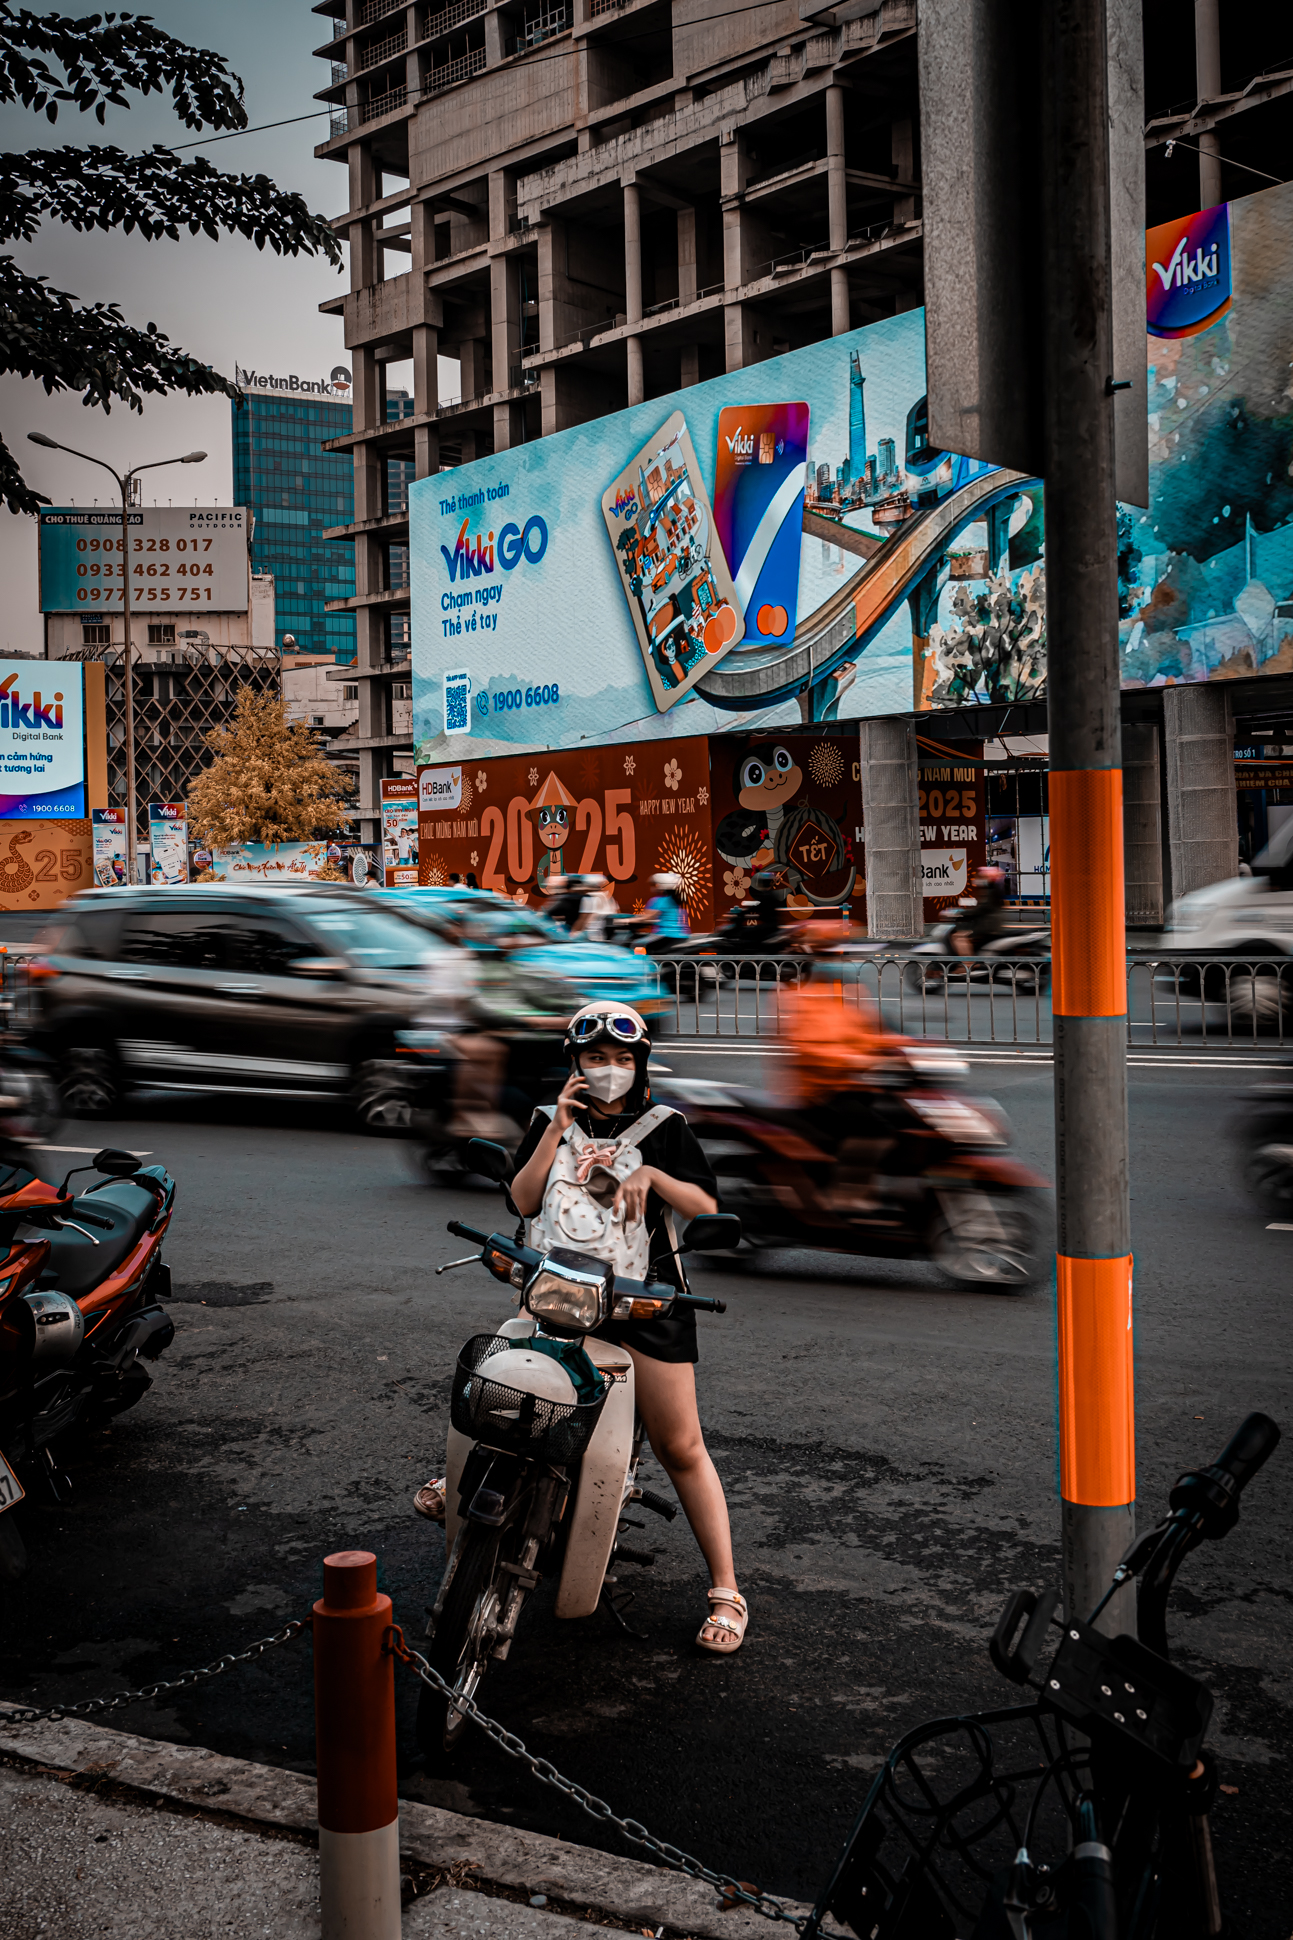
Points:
point(182, 558)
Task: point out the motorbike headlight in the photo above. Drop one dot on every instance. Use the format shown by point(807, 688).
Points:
point(570, 1289)
point(957, 1120)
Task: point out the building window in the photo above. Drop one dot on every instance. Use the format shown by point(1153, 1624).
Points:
point(161, 633)
point(95, 634)
point(350, 693)
point(401, 690)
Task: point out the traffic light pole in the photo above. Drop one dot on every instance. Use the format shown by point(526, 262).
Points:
point(1093, 1263)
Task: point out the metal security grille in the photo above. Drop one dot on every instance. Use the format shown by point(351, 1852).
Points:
point(181, 694)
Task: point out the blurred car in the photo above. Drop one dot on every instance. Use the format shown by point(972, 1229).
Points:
point(596, 970)
point(269, 990)
point(1247, 922)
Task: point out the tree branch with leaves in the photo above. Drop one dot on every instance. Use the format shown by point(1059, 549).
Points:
point(47, 334)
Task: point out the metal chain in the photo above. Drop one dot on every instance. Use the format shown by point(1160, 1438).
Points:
point(547, 1774)
point(92, 1707)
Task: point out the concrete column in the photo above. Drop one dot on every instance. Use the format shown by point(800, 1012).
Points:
point(633, 286)
point(688, 275)
point(365, 187)
point(837, 203)
point(902, 152)
point(1199, 786)
point(734, 168)
point(1207, 81)
point(426, 398)
point(1142, 827)
point(471, 362)
point(891, 827)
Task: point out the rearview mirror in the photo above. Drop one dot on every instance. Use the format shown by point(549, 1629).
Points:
point(712, 1233)
point(319, 966)
point(119, 1164)
point(490, 1160)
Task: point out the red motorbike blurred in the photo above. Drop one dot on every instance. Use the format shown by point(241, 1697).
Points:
point(80, 1278)
point(939, 1182)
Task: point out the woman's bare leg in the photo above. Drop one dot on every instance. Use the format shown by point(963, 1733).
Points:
point(666, 1399)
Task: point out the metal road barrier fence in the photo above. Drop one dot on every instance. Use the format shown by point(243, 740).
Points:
point(1172, 1001)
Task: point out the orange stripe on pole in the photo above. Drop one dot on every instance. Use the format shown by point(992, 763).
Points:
point(1088, 922)
point(1097, 1388)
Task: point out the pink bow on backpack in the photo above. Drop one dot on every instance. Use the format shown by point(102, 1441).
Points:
point(593, 1157)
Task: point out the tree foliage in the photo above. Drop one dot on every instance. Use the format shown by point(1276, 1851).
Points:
point(268, 782)
point(98, 61)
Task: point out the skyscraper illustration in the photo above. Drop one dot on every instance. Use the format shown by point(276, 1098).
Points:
point(857, 417)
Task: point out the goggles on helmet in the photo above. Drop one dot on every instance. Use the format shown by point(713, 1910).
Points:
point(619, 1026)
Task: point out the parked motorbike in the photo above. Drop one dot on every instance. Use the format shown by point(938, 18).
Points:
point(945, 1189)
point(80, 1278)
point(1018, 959)
point(1264, 1129)
point(543, 1449)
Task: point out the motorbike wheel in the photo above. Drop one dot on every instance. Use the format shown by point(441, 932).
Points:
point(984, 1239)
point(379, 1099)
point(460, 1649)
point(1259, 1000)
point(88, 1082)
point(1268, 1175)
point(924, 976)
point(13, 1550)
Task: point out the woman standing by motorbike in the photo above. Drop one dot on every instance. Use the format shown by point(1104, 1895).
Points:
point(607, 1099)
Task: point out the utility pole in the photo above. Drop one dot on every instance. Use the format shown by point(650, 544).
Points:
point(1031, 135)
point(1089, 945)
point(125, 482)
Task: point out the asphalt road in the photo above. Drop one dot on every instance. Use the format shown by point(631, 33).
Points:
point(888, 1447)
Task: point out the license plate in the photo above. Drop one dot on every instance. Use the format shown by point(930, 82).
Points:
point(11, 1489)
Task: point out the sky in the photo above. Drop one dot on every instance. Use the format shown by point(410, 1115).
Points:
point(224, 301)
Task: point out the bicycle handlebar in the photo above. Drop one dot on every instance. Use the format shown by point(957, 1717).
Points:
point(1252, 1444)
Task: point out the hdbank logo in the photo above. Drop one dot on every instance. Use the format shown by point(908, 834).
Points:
point(1187, 273)
point(439, 788)
point(473, 556)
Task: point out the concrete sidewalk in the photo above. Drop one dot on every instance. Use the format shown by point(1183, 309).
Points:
point(106, 1836)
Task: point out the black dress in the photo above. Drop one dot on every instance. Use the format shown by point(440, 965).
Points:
point(671, 1148)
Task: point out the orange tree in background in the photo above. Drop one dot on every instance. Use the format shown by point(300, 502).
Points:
point(268, 782)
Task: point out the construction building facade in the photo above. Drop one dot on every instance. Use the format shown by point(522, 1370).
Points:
point(588, 203)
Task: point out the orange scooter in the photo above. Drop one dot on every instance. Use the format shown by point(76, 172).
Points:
point(80, 1278)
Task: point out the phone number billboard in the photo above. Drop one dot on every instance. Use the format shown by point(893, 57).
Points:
point(181, 557)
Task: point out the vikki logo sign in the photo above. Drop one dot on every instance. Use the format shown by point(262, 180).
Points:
point(472, 557)
point(16, 713)
point(1187, 273)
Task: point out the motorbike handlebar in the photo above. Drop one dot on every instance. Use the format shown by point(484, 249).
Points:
point(467, 1232)
point(700, 1301)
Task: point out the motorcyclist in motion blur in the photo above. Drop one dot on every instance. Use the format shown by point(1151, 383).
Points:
point(983, 916)
point(668, 918)
point(494, 1001)
point(834, 1075)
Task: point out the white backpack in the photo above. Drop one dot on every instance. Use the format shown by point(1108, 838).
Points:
point(585, 1176)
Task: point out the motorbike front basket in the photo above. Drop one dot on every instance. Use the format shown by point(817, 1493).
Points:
point(506, 1418)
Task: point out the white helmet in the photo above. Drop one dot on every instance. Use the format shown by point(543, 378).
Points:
point(531, 1373)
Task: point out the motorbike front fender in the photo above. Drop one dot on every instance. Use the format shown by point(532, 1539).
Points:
point(599, 1497)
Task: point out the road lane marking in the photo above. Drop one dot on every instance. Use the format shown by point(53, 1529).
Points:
point(1276, 1227)
point(91, 1149)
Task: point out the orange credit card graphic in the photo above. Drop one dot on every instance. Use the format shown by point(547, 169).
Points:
point(671, 563)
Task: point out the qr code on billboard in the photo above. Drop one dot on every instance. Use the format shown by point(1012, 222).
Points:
point(455, 706)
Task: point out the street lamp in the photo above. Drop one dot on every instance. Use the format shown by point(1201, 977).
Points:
point(124, 482)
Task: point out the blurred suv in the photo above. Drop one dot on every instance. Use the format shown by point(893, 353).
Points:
point(277, 991)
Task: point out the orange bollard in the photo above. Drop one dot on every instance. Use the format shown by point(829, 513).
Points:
point(354, 1726)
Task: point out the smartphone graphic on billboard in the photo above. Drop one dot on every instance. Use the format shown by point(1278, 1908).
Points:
point(759, 477)
point(672, 567)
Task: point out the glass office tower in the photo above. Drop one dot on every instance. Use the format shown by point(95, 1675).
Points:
point(296, 490)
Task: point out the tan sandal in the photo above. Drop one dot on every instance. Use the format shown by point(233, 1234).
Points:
point(430, 1499)
point(725, 1647)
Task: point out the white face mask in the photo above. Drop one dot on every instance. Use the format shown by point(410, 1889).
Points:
point(607, 1082)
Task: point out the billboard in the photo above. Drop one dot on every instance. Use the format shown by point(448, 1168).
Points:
point(753, 552)
point(43, 863)
point(181, 557)
point(1205, 575)
point(400, 833)
point(108, 845)
point(168, 842)
point(42, 740)
point(624, 813)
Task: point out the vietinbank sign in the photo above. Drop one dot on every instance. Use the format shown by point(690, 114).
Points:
point(42, 740)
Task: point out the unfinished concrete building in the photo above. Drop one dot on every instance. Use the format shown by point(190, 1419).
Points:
point(588, 203)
